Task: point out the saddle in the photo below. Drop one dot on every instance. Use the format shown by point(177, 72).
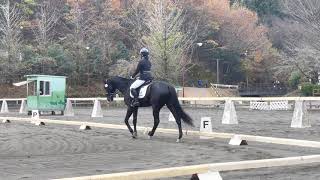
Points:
point(142, 90)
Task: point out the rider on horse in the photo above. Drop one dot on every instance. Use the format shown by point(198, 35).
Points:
point(144, 68)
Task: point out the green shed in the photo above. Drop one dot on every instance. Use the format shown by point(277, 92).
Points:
point(46, 93)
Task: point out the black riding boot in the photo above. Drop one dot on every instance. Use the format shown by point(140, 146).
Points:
point(135, 101)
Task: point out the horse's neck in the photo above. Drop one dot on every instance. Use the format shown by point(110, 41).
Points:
point(123, 86)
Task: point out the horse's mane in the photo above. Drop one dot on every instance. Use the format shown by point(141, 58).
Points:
point(118, 78)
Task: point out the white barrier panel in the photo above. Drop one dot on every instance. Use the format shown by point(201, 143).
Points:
point(35, 114)
point(6, 121)
point(210, 176)
point(85, 127)
point(205, 126)
point(274, 105)
point(69, 109)
point(259, 105)
point(39, 123)
point(4, 107)
point(229, 113)
point(96, 112)
point(314, 105)
point(300, 118)
point(23, 107)
point(237, 140)
point(279, 105)
point(171, 118)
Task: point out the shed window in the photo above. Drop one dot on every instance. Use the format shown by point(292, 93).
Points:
point(44, 88)
point(47, 88)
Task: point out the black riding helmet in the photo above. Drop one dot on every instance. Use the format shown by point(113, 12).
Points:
point(144, 52)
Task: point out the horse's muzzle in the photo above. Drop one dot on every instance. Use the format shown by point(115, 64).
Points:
point(110, 97)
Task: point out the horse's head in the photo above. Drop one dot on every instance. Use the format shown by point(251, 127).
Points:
point(110, 90)
point(115, 83)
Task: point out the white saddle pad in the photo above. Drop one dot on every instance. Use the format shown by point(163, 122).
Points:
point(142, 92)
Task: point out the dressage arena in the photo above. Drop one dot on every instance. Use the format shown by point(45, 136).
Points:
point(60, 150)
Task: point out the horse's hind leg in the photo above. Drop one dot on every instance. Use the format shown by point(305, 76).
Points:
point(156, 111)
point(135, 116)
point(126, 120)
point(178, 120)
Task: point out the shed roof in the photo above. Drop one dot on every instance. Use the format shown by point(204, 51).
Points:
point(41, 75)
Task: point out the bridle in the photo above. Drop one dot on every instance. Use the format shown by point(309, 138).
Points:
point(109, 94)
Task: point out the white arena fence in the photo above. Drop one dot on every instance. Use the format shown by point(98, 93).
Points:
point(300, 117)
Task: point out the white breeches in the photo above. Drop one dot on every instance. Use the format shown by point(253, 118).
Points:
point(136, 84)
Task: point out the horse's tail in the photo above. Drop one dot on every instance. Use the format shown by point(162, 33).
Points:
point(178, 109)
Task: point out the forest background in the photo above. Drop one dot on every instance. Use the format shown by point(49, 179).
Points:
point(254, 41)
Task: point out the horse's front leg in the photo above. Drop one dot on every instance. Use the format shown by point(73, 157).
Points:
point(126, 120)
point(156, 121)
point(135, 117)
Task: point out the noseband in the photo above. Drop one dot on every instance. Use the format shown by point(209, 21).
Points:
point(110, 94)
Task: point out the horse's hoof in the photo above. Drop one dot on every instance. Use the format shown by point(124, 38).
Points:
point(134, 135)
point(150, 133)
point(179, 141)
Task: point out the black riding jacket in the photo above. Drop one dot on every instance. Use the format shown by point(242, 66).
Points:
point(144, 68)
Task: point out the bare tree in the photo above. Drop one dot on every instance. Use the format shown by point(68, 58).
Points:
point(169, 43)
point(301, 39)
point(47, 17)
point(81, 20)
point(136, 22)
point(104, 30)
point(10, 32)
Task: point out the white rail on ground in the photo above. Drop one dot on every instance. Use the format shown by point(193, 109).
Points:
point(203, 168)
point(262, 139)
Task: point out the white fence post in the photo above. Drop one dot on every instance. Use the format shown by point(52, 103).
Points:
point(229, 113)
point(96, 112)
point(4, 107)
point(23, 107)
point(300, 117)
point(68, 111)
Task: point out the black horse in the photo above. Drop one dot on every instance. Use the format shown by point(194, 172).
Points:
point(158, 94)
